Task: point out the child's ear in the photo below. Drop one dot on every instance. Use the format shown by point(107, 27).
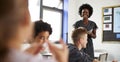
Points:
point(79, 41)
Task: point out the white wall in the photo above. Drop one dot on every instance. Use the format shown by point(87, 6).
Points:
point(112, 48)
point(34, 13)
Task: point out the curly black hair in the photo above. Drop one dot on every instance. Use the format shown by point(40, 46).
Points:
point(41, 26)
point(86, 6)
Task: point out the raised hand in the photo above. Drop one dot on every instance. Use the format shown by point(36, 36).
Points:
point(60, 54)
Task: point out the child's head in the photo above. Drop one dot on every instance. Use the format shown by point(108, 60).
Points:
point(13, 15)
point(42, 31)
point(14, 23)
point(79, 36)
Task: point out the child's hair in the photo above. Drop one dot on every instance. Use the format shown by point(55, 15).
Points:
point(78, 33)
point(11, 14)
point(41, 26)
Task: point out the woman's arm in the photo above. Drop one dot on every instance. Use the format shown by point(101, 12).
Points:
point(93, 33)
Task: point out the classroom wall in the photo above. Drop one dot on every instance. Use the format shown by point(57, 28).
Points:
point(112, 48)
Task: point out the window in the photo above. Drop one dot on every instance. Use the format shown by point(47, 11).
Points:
point(51, 12)
point(53, 3)
point(54, 12)
point(54, 18)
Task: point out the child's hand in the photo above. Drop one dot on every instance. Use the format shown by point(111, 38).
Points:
point(96, 60)
point(60, 54)
point(35, 49)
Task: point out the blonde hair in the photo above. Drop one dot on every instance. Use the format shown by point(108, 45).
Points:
point(78, 33)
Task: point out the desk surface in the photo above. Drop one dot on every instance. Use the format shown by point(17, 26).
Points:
point(47, 54)
point(97, 54)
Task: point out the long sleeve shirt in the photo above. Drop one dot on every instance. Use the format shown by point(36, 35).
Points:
point(76, 55)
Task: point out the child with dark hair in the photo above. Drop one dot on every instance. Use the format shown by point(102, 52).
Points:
point(41, 26)
point(85, 11)
point(42, 31)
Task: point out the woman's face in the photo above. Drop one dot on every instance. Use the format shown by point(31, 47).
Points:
point(42, 37)
point(85, 13)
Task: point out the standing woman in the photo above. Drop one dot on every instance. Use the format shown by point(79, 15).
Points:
point(85, 11)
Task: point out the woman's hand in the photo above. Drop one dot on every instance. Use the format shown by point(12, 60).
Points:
point(92, 33)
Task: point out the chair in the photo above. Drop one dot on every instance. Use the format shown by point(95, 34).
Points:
point(103, 57)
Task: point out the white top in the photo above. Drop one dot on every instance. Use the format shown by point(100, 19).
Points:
point(18, 56)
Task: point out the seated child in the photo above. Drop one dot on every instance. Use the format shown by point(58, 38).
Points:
point(76, 53)
point(42, 31)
